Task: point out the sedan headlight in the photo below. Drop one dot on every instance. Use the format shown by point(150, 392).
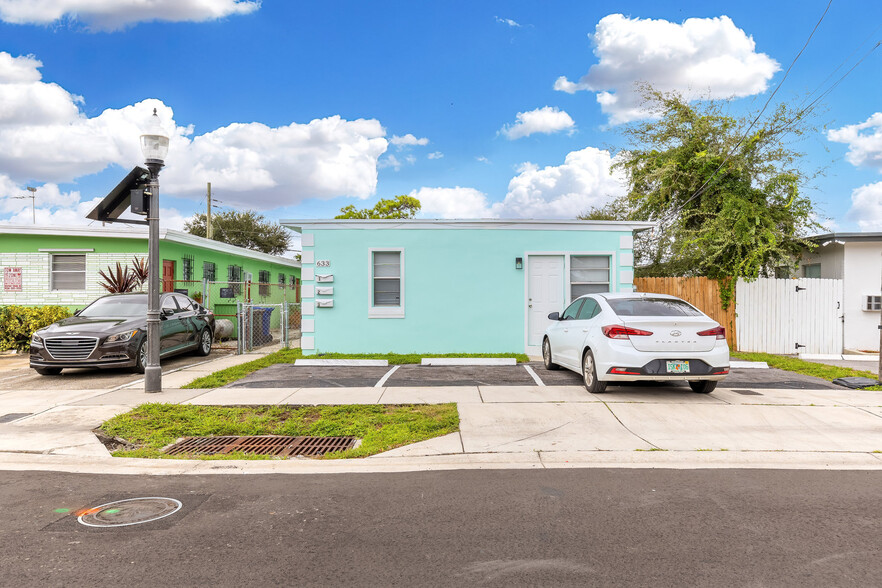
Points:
point(119, 337)
point(36, 340)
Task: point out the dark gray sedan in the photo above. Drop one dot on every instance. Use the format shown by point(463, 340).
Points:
point(112, 332)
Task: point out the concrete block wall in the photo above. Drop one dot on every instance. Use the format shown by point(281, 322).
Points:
point(36, 279)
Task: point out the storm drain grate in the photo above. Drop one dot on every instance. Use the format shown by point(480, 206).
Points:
point(262, 445)
point(747, 392)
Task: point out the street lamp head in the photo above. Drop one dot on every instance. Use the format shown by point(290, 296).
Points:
point(154, 141)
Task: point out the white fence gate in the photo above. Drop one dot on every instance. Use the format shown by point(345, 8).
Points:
point(789, 316)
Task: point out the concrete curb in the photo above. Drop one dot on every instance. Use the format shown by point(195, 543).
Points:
point(380, 464)
point(469, 361)
point(342, 362)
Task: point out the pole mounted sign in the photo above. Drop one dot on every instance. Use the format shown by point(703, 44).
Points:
point(12, 279)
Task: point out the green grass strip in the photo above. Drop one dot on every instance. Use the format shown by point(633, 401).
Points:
point(224, 377)
point(807, 368)
point(150, 427)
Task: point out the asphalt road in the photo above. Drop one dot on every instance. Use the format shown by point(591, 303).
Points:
point(16, 375)
point(460, 528)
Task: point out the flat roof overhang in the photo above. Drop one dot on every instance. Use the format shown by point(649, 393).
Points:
point(491, 224)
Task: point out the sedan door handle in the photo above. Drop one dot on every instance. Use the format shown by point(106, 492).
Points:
point(584, 330)
point(566, 330)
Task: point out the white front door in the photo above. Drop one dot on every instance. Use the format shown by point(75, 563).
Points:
point(545, 293)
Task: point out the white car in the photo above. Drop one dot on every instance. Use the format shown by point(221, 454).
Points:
point(616, 337)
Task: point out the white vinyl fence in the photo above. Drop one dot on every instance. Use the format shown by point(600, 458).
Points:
point(787, 316)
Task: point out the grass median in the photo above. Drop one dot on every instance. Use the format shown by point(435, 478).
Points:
point(807, 368)
point(151, 427)
point(224, 377)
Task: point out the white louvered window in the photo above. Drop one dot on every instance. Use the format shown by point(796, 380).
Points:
point(387, 283)
point(589, 274)
point(68, 272)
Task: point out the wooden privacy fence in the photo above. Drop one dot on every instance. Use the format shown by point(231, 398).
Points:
point(703, 293)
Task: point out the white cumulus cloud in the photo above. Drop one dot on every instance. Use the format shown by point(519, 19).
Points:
point(435, 155)
point(46, 138)
point(545, 120)
point(452, 203)
point(117, 14)
point(866, 207)
point(563, 191)
point(864, 141)
point(408, 140)
point(701, 57)
point(583, 181)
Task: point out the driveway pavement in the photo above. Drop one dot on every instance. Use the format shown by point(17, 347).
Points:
point(758, 418)
point(530, 374)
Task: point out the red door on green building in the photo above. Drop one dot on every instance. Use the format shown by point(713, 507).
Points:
point(168, 275)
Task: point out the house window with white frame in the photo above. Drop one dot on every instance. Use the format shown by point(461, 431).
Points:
point(68, 272)
point(589, 274)
point(387, 283)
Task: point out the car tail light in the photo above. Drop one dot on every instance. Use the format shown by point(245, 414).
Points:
point(721, 372)
point(620, 332)
point(719, 332)
point(624, 371)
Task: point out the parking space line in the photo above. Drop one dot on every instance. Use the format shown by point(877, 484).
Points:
point(385, 377)
point(534, 375)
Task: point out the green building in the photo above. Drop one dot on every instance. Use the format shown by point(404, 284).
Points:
point(59, 266)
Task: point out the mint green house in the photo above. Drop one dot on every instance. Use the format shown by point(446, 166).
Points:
point(59, 266)
point(458, 286)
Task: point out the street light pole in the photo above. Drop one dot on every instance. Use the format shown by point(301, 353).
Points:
point(154, 145)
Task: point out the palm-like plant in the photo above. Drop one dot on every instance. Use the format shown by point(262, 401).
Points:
point(140, 269)
point(119, 281)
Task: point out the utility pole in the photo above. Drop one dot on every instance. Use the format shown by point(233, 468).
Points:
point(880, 342)
point(208, 231)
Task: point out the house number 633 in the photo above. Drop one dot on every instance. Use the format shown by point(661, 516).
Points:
point(323, 263)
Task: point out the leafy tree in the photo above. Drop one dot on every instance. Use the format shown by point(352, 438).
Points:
point(398, 207)
point(244, 229)
point(726, 207)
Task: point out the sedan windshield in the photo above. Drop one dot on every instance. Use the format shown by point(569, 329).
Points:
point(117, 307)
point(651, 307)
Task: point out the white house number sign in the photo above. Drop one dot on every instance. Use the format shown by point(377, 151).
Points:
point(323, 263)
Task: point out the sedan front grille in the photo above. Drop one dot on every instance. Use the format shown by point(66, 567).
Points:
point(65, 348)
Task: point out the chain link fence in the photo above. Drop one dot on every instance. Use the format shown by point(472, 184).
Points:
point(248, 315)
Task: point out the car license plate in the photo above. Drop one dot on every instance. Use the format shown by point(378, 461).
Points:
point(678, 367)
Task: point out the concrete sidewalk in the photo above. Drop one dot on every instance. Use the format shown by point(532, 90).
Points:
point(500, 427)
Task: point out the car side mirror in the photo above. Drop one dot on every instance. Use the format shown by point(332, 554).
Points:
point(554, 316)
point(167, 312)
point(77, 312)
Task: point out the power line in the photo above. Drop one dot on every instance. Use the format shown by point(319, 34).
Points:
point(701, 190)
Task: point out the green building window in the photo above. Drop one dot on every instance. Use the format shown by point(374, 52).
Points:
point(234, 278)
point(187, 267)
point(208, 271)
point(263, 278)
point(282, 280)
point(68, 272)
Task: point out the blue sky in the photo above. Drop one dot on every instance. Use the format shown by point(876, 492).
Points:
point(477, 108)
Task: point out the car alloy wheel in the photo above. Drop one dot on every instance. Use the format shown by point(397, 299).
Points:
point(141, 361)
point(546, 355)
point(206, 342)
point(589, 374)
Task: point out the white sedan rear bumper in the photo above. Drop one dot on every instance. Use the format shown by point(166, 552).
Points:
point(643, 365)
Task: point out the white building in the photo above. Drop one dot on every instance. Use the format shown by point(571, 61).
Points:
point(856, 259)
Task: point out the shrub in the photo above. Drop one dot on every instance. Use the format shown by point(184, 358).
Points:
point(18, 323)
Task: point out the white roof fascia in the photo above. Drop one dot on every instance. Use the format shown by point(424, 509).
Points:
point(164, 235)
point(510, 224)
